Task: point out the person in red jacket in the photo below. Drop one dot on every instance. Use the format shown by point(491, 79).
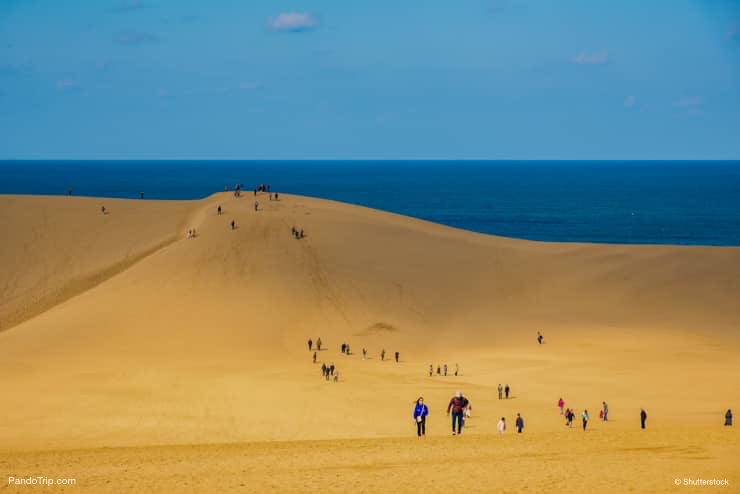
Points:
point(457, 404)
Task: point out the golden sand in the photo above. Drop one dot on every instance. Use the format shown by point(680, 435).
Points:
point(136, 359)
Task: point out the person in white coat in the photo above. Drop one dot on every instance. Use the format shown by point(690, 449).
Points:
point(501, 427)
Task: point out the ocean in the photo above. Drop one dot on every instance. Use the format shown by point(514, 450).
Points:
point(685, 202)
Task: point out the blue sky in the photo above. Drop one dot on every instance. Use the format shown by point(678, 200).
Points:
point(470, 79)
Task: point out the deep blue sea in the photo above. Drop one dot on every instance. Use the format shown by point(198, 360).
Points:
point(696, 203)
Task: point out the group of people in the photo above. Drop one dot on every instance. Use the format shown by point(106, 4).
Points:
point(296, 232)
point(503, 392)
point(329, 371)
point(191, 233)
point(442, 370)
point(346, 350)
point(318, 344)
point(603, 415)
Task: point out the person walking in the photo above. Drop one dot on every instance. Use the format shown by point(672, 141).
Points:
point(219, 210)
point(439, 370)
point(397, 357)
point(318, 344)
point(584, 417)
point(445, 370)
point(331, 369)
point(457, 404)
point(457, 369)
point(539, 337)
point(344, 346)
point(382, 354)
point(314, 357)
point(364, 353)
point(256, 205)
point(431, 370)
point(420, 417)
point(310, 344)
point(506, 390)
point(605, 411)
point(643, 418)
point(728, 418)
point(519, 423)
point(561, 404)
point(501, 426)
point(233, 225)
point(500, 390)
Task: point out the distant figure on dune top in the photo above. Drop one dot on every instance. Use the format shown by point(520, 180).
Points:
point(69, 191)
point(728, 418)
point(561, 404)
point(457, 404)
point(382, 354)
point(102, 209)
point(539, 337)
point(397, 355)
point(276, 196)
point(141, 195)
point(501, 427)
point(233, 225)
point(310, 344)
point(420, 417)
point(256, 205)
point(643, 418)
point(584, 417)
point(219, 211)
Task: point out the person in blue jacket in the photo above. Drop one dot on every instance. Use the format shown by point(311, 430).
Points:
point(420, 417)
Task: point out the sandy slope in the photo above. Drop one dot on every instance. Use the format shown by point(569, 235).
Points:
point(202, 341)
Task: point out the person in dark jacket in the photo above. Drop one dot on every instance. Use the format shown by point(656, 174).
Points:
point(506, 391)
point(728, 418)
point(457, 404)
point(310, 344)
point(519, 423)
point(420, 417)
point(643, 418)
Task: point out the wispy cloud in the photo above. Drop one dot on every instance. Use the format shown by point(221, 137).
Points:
point(689, 102)
point(66, 85)
point(293, 22)
point(630, 101)
point(135, 38)
point(127, 6)
point(600, 58)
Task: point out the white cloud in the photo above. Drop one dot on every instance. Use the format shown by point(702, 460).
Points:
point(630, 101)
point(601, 58)
point(293, 22)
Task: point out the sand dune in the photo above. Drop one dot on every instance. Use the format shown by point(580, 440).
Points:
point(124, 334)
